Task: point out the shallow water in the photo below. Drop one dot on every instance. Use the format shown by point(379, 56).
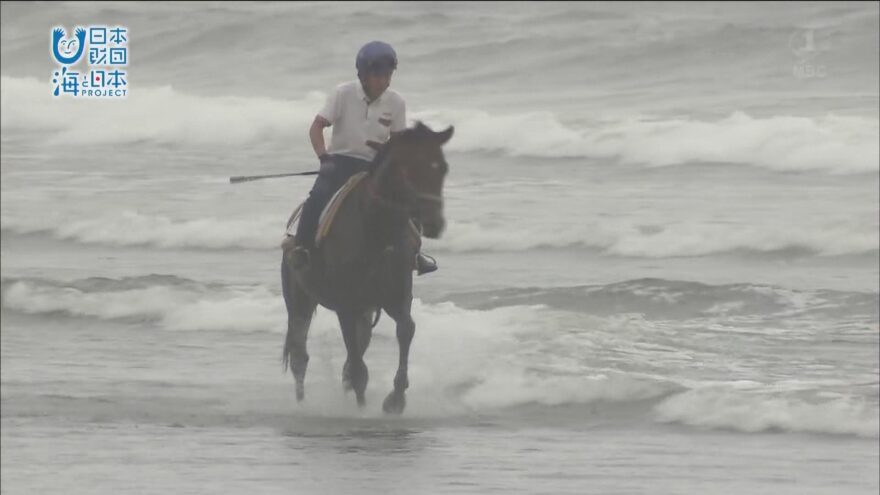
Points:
point(659, 273)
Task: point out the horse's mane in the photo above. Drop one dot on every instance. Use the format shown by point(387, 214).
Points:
point(385, 147)
point(381, 154)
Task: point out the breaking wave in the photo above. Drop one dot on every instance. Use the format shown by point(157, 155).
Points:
point(831, 144)
point(132, 228)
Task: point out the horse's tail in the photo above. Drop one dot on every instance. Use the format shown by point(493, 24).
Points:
point(285, 287)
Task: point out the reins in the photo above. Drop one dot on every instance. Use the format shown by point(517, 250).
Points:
point(410, 191)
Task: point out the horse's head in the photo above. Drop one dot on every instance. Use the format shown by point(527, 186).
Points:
point(411, 169)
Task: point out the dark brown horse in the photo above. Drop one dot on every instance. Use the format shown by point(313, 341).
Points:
point(365, 261)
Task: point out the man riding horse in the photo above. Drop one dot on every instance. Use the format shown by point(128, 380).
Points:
point(364, 114)
point(370, 243)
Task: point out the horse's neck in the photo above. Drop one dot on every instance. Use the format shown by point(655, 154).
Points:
point(384, 217)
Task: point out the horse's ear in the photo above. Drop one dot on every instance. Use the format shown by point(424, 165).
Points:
point(422, 128)
point(443, 136)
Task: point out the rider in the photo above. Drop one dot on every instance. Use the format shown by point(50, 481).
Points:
point(364, 114)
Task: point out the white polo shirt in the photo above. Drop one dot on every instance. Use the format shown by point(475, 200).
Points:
point(356, 121)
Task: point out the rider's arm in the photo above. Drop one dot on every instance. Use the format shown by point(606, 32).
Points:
point(325, 118)
point(316, 135)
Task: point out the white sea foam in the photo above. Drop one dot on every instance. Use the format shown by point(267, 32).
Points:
point(748, 411)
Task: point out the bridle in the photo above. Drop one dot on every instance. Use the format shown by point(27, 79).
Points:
point(410, 191)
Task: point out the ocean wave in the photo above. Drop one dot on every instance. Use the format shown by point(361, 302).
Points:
point(675, 299)
point(182, 304)
point(160, 114)
point(612, 238)
point(169, 302)
point(131, 228)
point(741, 410)
point(831, 144)
point(834, 144)
point(176, 303)
point(681, 239)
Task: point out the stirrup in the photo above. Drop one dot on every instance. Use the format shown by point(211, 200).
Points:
point(425, 264)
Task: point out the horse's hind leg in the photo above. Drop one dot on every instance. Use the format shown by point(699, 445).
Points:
point(356, 333)
point(300, 308)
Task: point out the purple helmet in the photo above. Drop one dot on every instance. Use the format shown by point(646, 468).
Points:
point(376, 57)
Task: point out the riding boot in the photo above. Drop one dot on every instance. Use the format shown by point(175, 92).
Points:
point(425, 264)
point(307, 227)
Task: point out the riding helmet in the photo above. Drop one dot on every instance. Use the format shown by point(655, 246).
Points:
point(376, 57)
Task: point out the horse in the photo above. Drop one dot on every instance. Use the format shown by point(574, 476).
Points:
point(366, 258)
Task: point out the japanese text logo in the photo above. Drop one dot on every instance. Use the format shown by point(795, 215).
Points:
point(106, 52)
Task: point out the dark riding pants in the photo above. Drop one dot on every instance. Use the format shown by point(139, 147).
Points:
point(332, 176)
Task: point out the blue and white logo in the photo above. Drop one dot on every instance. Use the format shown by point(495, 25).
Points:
point(107, 73)
point(68, 51)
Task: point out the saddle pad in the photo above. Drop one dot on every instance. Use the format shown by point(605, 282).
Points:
point(329, 213)
point(291, 222)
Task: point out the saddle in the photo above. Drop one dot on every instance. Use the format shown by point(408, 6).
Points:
point(328, 214)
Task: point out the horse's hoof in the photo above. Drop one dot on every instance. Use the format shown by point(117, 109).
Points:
point(395, 403)
point(300, 392)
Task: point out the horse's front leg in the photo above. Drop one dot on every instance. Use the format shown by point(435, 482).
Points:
point(406, 329)
point(356, 340)
point(398, 305)
point(366, 334)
